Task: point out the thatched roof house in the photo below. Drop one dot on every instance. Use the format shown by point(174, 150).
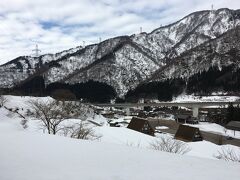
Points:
point(141, 125)
point(188, 133)
point(233, 125)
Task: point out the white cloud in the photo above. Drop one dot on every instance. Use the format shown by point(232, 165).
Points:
point(60, 24)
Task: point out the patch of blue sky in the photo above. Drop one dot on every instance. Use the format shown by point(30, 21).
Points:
point(49, 24)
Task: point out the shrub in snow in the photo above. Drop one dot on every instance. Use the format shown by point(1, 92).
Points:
point(168, 144)
point(52, 113)
point(132, 144)
point(81, 130)
point(228, 154)
point(3, 100)
point(24, 123)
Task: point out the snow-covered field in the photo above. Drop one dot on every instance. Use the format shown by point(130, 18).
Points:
point(120, 153)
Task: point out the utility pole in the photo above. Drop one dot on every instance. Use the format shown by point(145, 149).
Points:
point(140, 30)
point(233, 21)
point(212, 10)
point(234, 27)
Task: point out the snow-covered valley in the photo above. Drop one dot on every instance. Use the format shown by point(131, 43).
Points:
point(119, 153)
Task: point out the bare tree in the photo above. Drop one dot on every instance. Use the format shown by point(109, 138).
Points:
point(168, 144)
point(53, 112)
point(228, 154)
point(3, 100)
point(49, 113)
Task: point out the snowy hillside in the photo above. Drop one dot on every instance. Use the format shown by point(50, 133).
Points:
point(125, 62)
point(19, 69)
point(219, 52)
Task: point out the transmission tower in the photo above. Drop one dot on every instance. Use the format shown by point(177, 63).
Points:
point(36, 51)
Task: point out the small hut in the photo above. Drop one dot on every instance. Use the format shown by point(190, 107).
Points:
point(141, 125)
point(188, 134)
point(108, 114)
point(183, 118)
point(233, 125)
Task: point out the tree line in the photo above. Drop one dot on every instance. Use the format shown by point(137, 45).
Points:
point(90, 91)
point(203, 83)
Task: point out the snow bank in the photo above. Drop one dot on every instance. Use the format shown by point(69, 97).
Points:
point(124, 136)
point(28, 156)
point(23, 101)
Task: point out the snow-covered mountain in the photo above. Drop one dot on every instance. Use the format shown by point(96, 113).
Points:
point(126, 61)
point(220, 52)
point(172, 40)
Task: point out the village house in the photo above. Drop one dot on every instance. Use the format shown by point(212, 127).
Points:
point(188, 134)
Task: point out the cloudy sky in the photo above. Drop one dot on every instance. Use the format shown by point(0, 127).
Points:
point(56, 25)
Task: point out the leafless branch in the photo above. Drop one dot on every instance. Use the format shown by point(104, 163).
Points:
point(81, 130)
point(228, 154)
point(168, 144)
point(52, 113)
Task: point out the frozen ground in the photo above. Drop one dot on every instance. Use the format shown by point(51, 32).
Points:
point(120, 154)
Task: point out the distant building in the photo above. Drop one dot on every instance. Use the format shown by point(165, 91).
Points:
point(186, 119)
point(188, 134)
point(108, 114)
point(183, 118)
point(141, 101)
point(233, 125)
